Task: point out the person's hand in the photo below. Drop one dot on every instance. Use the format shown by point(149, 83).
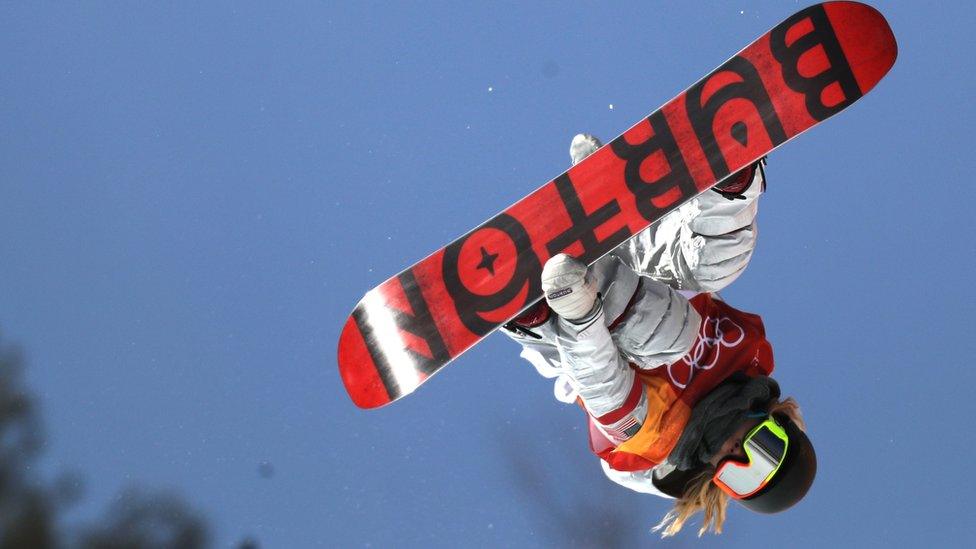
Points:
point(569, 289)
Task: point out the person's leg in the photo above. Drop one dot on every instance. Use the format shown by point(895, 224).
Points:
point(702, 246)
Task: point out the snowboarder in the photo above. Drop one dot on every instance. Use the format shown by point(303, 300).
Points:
point(674, 381)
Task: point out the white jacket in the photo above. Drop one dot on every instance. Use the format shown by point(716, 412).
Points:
point(700, 247)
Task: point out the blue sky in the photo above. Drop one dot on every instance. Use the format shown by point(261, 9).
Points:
point(193, 198)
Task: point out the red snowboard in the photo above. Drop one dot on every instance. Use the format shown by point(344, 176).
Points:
point(806, 69)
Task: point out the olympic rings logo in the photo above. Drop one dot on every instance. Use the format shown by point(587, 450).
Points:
point(704, 354)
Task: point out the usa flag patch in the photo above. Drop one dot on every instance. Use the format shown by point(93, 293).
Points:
point(623, 430)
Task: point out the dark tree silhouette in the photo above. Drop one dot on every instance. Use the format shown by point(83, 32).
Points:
point(138, 519)
point(30, 507)
point(26, 509)
point(577, 509)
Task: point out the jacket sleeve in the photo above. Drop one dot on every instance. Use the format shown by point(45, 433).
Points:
point(617, 283)
point(544, 357)
point(597, 370)
point(659, 328)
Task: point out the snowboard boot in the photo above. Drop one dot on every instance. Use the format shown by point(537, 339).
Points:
point(583, 145)
point(534, 316)
point(735, 186)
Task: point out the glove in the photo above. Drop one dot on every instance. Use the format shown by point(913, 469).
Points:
point(738, 183)
point(570, 291)
point(583, 145)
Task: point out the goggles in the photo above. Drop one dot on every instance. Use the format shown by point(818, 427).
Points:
point(765, 448)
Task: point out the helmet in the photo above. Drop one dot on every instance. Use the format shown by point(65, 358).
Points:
point(792, 479)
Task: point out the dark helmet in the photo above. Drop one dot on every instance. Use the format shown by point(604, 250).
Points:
point(794, 476)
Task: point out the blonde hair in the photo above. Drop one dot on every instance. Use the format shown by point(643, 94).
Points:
point(701, 494)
